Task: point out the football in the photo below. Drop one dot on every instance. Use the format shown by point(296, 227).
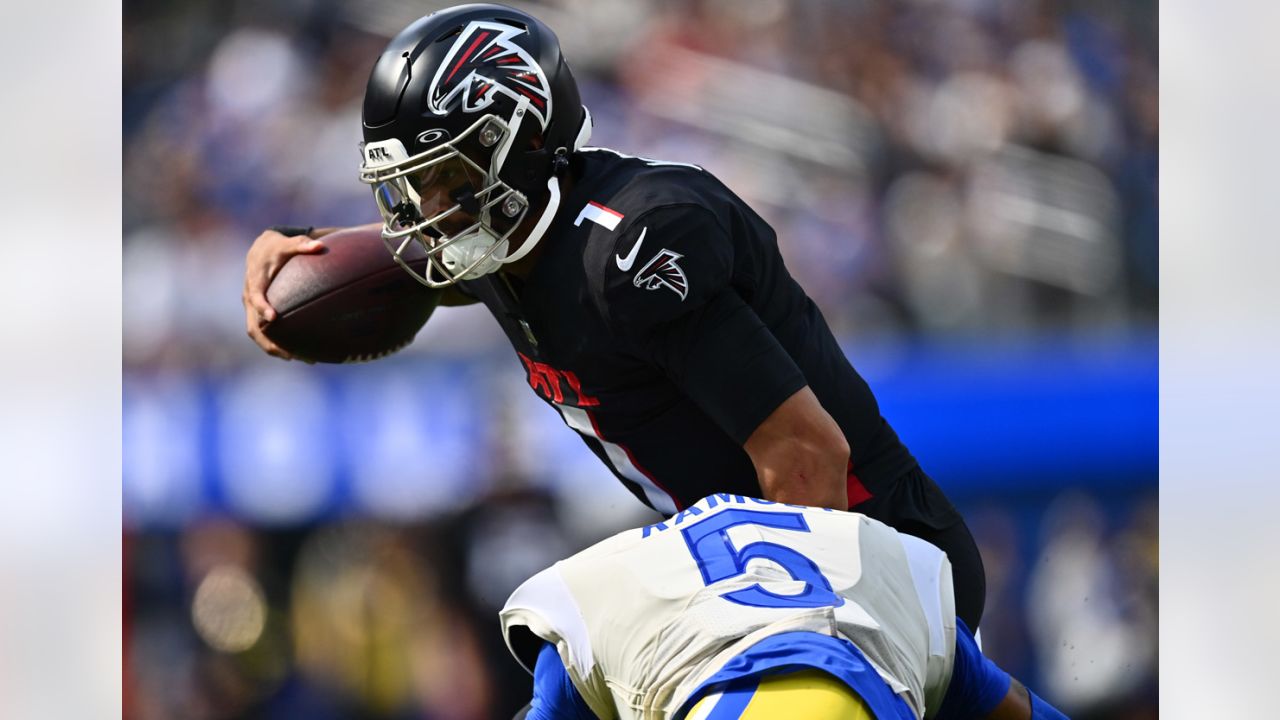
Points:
point(350, 302)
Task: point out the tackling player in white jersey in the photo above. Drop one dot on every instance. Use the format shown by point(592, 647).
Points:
point(738, 607)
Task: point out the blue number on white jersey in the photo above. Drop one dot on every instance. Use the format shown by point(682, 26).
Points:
point(717, 559)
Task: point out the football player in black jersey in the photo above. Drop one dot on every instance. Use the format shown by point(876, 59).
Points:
point(645, 301)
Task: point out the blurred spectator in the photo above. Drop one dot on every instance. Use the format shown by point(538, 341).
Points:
point(1093, 611)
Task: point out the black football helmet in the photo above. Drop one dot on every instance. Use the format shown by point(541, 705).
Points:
point(470, 115)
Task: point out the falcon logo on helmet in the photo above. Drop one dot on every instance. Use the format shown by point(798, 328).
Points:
point(483, 62)
point(663, 271)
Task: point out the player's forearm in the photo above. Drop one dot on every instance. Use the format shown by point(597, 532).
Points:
point(1016, 704)
point(1022, 704)
point(804, 476)
point(800, 455)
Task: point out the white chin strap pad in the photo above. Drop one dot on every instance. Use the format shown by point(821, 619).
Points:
point(544, 222)
point(553, 200)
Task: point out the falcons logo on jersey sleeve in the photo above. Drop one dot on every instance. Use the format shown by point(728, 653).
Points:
point(663, 271)
point(485, 61)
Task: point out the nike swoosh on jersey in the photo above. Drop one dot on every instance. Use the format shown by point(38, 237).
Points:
point(625, 263)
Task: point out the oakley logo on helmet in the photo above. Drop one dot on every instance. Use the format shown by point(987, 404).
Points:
point(430, 137)
point(483, 63)
point(663, 271)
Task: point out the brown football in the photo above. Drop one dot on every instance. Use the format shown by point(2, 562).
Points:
point(350, 302)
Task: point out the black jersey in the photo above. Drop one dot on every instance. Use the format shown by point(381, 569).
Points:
point(662, 325)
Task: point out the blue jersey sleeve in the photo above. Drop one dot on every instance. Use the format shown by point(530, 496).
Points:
point(554, 696)
point(977, 684)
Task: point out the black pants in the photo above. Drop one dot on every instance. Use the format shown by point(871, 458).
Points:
point(915, 505)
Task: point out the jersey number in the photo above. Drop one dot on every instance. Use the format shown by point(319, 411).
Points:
point(717, 559)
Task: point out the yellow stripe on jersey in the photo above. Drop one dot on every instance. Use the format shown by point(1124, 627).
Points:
point(809, 694)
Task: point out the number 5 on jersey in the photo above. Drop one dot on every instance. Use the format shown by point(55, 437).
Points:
point(717, 559)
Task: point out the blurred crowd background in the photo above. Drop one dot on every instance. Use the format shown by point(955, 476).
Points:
point(967, 188)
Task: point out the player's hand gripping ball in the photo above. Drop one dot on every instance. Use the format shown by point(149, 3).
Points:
point(349, 303)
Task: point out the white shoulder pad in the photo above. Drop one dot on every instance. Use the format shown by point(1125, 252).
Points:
point(545, 605)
